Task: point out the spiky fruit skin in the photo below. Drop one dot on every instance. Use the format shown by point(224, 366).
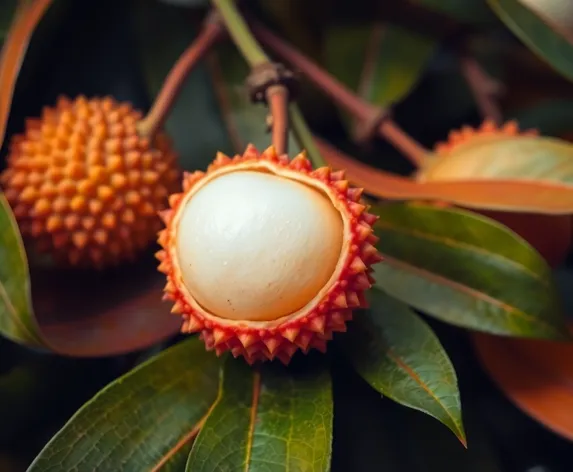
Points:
point(310, 327)
point(84, 186)
point(550, 235)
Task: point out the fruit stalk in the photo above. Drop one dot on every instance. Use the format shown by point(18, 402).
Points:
point(484, 88)
point(211, 32)
point(269, 83)
point(365, 112)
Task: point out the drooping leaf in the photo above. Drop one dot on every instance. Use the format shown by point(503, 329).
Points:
point(466, 270)
point(17, 321)
point(273, 419)
point(545, 38)
point(397, 353)
point(381, 63)
point(145, 420)
point(526, 196)
point(25, 19)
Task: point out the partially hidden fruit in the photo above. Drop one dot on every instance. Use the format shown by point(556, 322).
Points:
point(84, 186)
point(265, 256)
point(550, 235)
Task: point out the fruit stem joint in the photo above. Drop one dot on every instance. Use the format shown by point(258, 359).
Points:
point(265, 78)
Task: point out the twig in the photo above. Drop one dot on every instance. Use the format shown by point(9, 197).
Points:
point(485, 89)
point(372, 118)
point(305, 138)
point(268, 82)
point(211, 32)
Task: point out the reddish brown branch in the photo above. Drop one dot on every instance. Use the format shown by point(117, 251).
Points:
point(211, 32)
point(277, 98)
point(485, 89)
point(355, 106)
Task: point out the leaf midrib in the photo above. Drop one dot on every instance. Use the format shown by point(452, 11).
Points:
point(413, 374)
point(455, 244)
point(253, 419)
point(464, 289)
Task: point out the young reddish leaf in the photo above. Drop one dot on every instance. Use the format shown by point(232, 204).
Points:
point(536, 376)
point(449, 263)
point(526, 196)
point(270, 419)
point(539, 31)
point(156, 410)
point(28, 14)
point(398, 355)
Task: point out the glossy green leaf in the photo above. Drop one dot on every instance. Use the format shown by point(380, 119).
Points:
point(467, 270)
point(542, 159)
point(145, 420)
point(17, 320)
point(397, 353)
point(382, 63)
point(268, 420)
point(538, 33)
point(467, 11)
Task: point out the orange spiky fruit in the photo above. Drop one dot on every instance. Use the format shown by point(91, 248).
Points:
point(550, 235)
point(265, 256)
point(84, 186)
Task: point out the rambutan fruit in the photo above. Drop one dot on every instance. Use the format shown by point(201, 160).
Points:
point(265, 256)
point(84, 186)
point(550, 235)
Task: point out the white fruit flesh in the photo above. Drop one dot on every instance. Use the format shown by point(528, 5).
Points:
point(257, 246)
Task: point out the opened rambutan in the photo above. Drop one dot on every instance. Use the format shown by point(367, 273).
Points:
point(84, 186)
point(265, 256)
point(549, 234)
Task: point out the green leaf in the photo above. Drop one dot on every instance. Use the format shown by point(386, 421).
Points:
point(144, 420)
point(398, 355)
point(538, 33)
point(17, 321)
point(550, 117)
point(468, 11)
point(273, 420)
point(382, 63)
point(7, 11)
point(467, 270)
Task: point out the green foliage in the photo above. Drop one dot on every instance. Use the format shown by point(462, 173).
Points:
point(449, 263)
point(539, 34)
point(145, 419)
point(185, 408)
point(272, 420)
point(398, 354)
point(16, 313)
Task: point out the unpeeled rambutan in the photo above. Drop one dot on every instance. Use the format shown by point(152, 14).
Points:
point(265, 256)
point(84, 186)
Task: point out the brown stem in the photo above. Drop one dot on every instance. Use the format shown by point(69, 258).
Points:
point(344, 97)
point(484, 88)
point(277, 98)
point(211, 32)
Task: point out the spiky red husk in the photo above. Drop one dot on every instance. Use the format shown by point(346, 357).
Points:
point(488, 128)
point(310, 329)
